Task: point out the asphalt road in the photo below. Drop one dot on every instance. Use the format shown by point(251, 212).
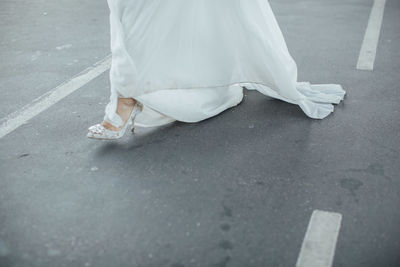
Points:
point(235, 190)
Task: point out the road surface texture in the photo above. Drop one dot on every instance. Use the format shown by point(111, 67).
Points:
point(236, 190)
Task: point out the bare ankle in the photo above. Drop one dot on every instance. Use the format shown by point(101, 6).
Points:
point(127, 101)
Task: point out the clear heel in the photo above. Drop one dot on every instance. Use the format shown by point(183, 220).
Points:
point(139, 108)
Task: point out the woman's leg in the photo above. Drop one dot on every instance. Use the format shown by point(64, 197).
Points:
point(124, 109)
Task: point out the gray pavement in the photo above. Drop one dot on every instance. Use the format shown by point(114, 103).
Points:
point(235, 190)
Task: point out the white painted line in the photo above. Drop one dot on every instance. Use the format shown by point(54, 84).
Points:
point(367, 55)
point(19, 117)
point(319, 245)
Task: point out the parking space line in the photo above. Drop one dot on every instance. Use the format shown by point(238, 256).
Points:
point(21, 116)
point(367, 55)
point(319, 244)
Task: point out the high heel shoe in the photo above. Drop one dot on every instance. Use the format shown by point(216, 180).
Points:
point(99, 132)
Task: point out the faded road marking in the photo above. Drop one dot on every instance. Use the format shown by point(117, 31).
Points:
point(319, 245)
point(367, 55)
point(18, 118)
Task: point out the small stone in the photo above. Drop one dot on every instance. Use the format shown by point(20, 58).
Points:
point(93, 169)
point(62, 47)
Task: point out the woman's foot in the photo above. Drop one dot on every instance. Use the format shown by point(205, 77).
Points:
point(115, 128)
point(124, 109)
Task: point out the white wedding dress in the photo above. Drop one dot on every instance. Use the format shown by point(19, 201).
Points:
point(189, 60)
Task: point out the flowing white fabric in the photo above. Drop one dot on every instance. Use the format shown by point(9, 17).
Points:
point(189, 60)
